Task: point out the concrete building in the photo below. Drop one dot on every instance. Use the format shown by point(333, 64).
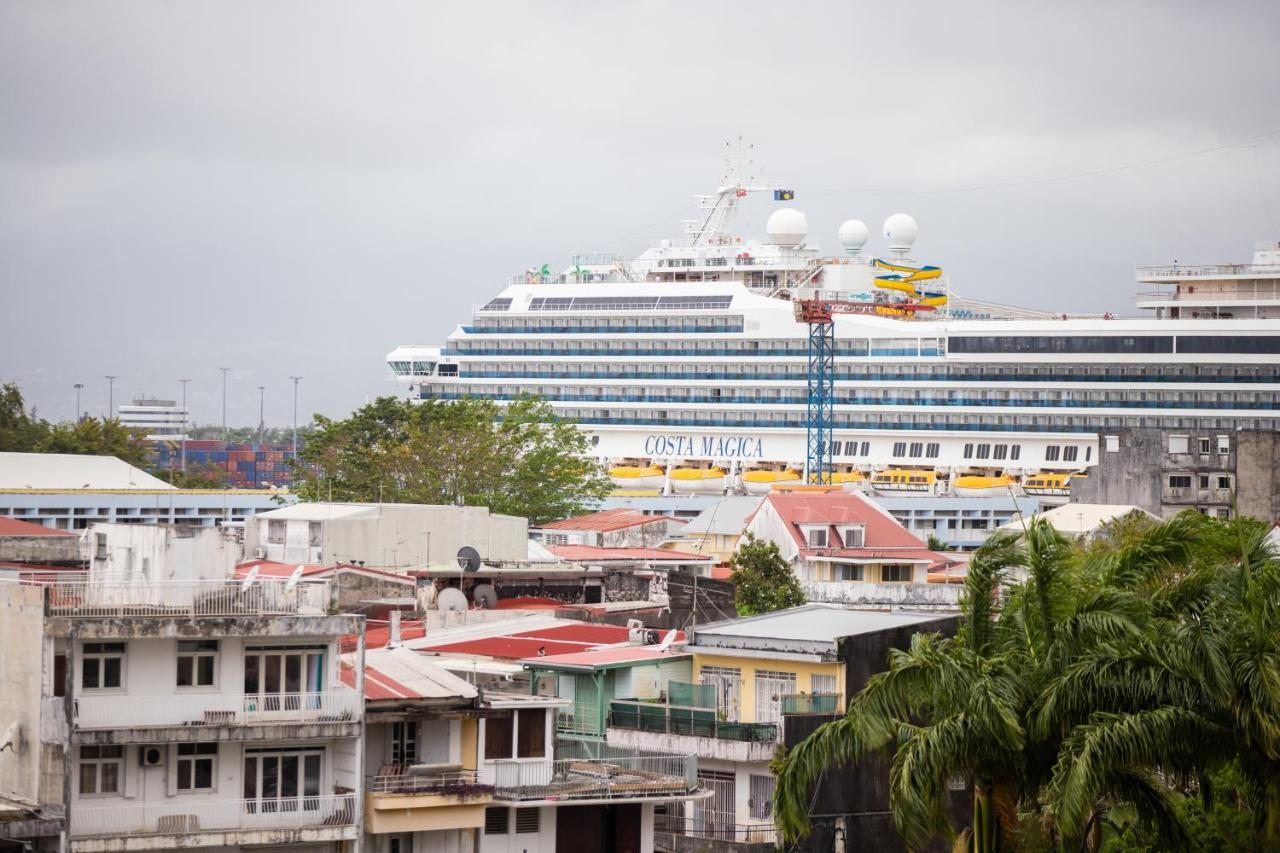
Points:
point(155, 419)
point(609, 528)
point(153, 553)
point(716, 530)
point(191, 713)
point(22, 542)
point(386, 536)
point(960, 522)
point(358, 587)
point(1081, 520)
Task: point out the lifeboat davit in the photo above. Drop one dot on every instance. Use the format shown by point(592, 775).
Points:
point(975, 485)
point(761, 482)
point(637, 476)
point(698, 480)
point(1048, 485)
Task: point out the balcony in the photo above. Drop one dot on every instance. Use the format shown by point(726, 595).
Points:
point(216, 716)
point(675, 728)
point(810, 703)
point(580, 718)
point(636, 777)
point(417, 798)
point(710, 830)
point(100, 599)
point(199, 823)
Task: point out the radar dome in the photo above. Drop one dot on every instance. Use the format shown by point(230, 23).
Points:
point(787, 227)
point(853, 235)
point(900, 230)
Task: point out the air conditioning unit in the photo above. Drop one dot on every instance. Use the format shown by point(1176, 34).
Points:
point(260, 553)
point(151, 756)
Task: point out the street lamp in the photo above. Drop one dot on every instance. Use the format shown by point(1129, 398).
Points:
point(186, 423)
point(296, 380)
point(111, 395)
point(224, 401)
point(262, 421)
point(78, 386)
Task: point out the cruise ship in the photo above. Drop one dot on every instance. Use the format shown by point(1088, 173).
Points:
point(687, 365)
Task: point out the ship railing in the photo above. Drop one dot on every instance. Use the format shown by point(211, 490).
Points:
point(1202, 270)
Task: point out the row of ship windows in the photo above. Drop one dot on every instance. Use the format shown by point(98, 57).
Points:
point(1118, 344)
point(900, 421)
point(992, 398)
point(881, 373)
point(615, 325)
point(857, 347)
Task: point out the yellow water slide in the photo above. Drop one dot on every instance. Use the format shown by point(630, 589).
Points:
point(905, 279)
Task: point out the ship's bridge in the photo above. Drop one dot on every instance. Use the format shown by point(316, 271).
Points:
point(1215, 291)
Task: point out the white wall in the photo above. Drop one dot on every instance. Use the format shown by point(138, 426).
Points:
point(23, 682)
point(767, 524)
point(742, 772)
point(543, 841)
point(153, 552)
point(486, 770)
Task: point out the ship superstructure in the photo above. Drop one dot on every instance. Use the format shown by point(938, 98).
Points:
point(687, 365)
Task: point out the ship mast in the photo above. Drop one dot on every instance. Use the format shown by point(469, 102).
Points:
point(718, 210)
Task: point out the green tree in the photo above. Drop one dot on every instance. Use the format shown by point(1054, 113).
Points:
point(933, 543)
point(95, 437)
point(763, 580)
point(520, 459)
point(206, 476)
point(20, 432)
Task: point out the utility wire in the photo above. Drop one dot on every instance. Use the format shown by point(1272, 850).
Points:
point(1142, 164)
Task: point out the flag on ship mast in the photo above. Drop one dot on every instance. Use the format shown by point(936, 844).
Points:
point(783, 195)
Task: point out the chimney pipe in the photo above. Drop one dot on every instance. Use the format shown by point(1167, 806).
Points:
point(395, 629)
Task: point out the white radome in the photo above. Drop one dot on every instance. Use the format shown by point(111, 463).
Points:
point(900, 230)
point(787, 227)
point(853, 235)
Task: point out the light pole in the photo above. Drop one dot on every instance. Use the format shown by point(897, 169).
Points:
point(111, 395)
point(78, 386)
point(186, 423)
point(262, 421)
point(224, 401)
point(296, 380)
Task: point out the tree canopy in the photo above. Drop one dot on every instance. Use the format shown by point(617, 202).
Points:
point(1091, 694)
point(520, 459)
point(763, 580)
point(22, 432)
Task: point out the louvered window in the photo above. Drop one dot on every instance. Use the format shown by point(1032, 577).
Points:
point(527, 820)
point(495, 821)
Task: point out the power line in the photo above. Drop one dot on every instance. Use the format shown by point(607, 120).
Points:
point(1142, 164)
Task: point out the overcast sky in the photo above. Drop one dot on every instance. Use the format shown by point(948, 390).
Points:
point(296, 188)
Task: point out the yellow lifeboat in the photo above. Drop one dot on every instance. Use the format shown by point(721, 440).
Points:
point(637, 476)
point(904, 480)
point(1048, 484)
point(979, 485)
point(761, 481)
point(848, 480)
point(698, 480)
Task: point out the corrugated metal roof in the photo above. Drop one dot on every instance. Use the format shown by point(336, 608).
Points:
point(401, 673)
point(73, 471)
point(606, 657)
point(554, 640)
point(16, 527)
point(820, 623)
point(726, 517)
point(606, 520)
point(592, 553)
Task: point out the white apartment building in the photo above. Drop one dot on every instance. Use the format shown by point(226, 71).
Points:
point(188, 713)
point(158, 419)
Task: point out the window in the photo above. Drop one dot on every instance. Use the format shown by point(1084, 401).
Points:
point(1206, 445)
point(1179, 481)
point(197, 663)
point(917, 447)
point(498, 736)
point(277, 778)
point(771, 686)
point(1178, 443)
point(984, 451)
point(495, 820)
point(196, 766)
point(1051, 453)
point(1088, 452)
point(822, 683)
point(275, 532)
point(527, 820)
point(895, 574)
point(103, 666)
point(849, 573)
point(816, 537)
point(1015, 451)
point(931, 450)
point(1204, 481)
point(313, 534)
point(1001, 451)
point(761, 800)
point(404, 743)
point(866, 448)
point(968, 451)
point(1224, 444)
point(852, 535)
point(727, 681)
point(899, 448)
point(1224, 481)
point(1069, 453)
point(400, 843)
point(555, 539)
point(531, 738)
point(278, 675)
point(100, 769)
point(100, 546)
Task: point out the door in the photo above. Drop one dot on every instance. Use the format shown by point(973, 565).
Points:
point(282, 781)
point(771, 686)
point(728, 683)
point(714, 817)
point(276, 679)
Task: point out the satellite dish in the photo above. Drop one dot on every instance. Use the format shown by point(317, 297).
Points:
point(485, 596)
point(294, 578)
point(468, 559)
point(451, 599)
point(667, 641)
point(249, 578)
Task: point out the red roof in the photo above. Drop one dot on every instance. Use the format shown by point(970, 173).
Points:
point(883, 537)
point(587, 553)
point(16, 527)
point(606, 520)
point(721, 573)
point(377, 634)
point(276, 569)
point(600, 657)
point(555, 640)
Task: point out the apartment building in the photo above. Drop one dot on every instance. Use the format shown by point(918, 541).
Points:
point(184, 713)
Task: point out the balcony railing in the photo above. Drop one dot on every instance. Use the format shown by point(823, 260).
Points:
point(694, 722)
point(121, 711)
point(718, 826)
point(462, 783)
point(104, 599)
point(596, 779)
point(579, 719)
point(186, 818)
point(811, 703)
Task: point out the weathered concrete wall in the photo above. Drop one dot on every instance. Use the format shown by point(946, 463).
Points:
point(204, 628)
point(355, 588)
point(921, 596)
point(53, 550)
point(714, 601)
point(641, 535)
point(156, 552)
point(21, 677)
point(1258, 474)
